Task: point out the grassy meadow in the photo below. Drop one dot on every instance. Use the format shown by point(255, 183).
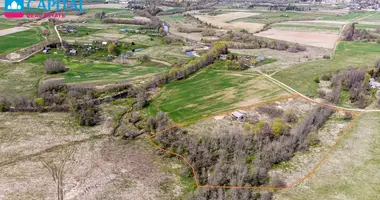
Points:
point(268, 17)
point(350, 171)
point(212, 91)
point(86, 71)
point(19, 40)
point(19, 79)
point(348, 54)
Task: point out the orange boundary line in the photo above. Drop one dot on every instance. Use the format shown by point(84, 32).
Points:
point(312, 172)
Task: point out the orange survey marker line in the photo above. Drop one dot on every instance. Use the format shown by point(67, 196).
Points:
point(312, 172)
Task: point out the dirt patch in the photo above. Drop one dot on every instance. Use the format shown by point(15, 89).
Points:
point(12, 30)
point(145, 19)
point(307, 38)
point(95, 168)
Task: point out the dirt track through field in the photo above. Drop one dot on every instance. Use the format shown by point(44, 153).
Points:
point(12, 30)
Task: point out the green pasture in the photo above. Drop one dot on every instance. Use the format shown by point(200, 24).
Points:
point(212, 91)
point(348, 54)
point(15, 41)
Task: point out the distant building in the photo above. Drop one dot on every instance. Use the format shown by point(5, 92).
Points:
point(46, 51)
point(104, 43)
point(124, 56)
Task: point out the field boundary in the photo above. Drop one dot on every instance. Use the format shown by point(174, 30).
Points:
point(290, 186)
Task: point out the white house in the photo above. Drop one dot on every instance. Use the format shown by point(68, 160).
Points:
point(104, 43)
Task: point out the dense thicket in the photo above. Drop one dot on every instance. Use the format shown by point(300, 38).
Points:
point(52, 66)
point(353, 81)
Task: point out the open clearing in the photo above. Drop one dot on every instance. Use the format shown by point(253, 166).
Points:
point(305, 38)
point(95, 167)
point(348, 54)
point(104, 72)
point(19, 79)
point(224, 21)
point(351, 170)
point(270, 17)
point(212, 91)
point(285, 58)
point(15, 41)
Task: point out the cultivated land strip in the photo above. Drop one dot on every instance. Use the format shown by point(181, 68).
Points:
point(311, 173)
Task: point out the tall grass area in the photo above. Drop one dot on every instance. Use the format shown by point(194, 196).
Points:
point(19, 79)
point(348, 54)
point(15, 41)
point(212, 91)
point(351, 171)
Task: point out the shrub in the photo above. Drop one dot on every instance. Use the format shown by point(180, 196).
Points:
point(290, 117)
point(326, 77)
point(278, 127)
point(87, 113)
point(313, 139)
point(326, 56)
point(4, 105)
point(316, 80)
point(277, 182)
point(144, 58)
point(54, 67)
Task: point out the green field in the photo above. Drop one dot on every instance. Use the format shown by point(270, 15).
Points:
point(212, 91)
point(177, 9)
point(104, 72)
point(366, 26)
point(87, 71)
point(269, 17)
point(172, 18)
point(332, 28)
point(15, 41)
point(355, 54)
point(350, 17)
point(124, 14)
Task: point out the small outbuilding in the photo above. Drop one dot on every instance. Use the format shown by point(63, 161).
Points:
point(73, 52)
point(260, 58)
point(104, 43)
point(238, 115)
point(46, 51)
point(223, 57)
